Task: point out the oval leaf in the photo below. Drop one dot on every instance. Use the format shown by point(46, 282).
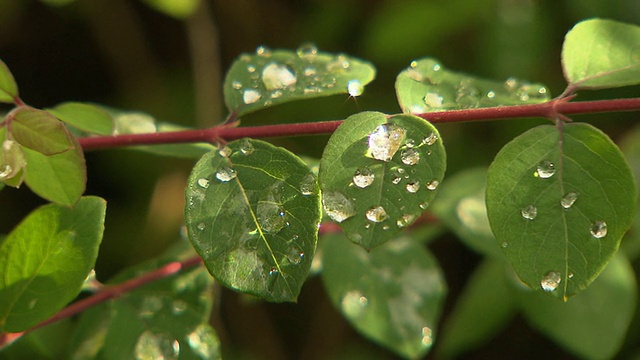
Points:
point(427, 86)
point(600, 53)
point(86, 117)
point(378, 175)
point(559, 203)
point(275, 77)
point(45, 259)
point(8, 86)
point(253, 213)
point(40, 131)
point(392, 295)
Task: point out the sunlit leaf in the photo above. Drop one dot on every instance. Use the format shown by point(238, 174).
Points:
point(600, 53)
point(86, 117)
point(252, 213)
point(379, 174)
point(274, 77)
point(594, 324)
point(8, 86)
point(427, 86)
point(45, 259)
point(392, 295)
point(559, 203)
point(40, 131)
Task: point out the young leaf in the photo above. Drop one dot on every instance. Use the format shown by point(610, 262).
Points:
point(600, 53)
point(379, 174)
point(45, 259)
point(559, 200)
point(275, 77)
point(427, 86)
point(40, 131)
point(86, 117)
point(594, 324)
point(252, 213)
point(58, 178)
point(392, 295)
point(8, 86)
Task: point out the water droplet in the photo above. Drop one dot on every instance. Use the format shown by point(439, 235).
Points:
point(251, 96)
point(200, 342)
point(529, 212)
point(413, 187)
point(263, 51)
point(410, 143)
point(295, 256)
point(308, 184)
point(277, 76)
point(376, 214)
point(309, 71)
point(433, 184)
point(337, 206)
point(433, 100)
point(491, 95)
point(246, 147)
point(251, 68)
point(203, 183)
point(236, 84)
point(271, 217)
point(504, 245)
point(410, 156)
point(467, 95)
point(156, 346)
point(307, 51)
point(150, 305)
point(6, 171)
point(355, 88)
point(405, 220)
point(395, 179)
point(363, 177)
point(225, 151)
point(430, 139)
point(598, 229)
point(178, 307)
point(226, 174)
point(511, 84)
point(354, 303)
point(385, 141)
point(551, 281)
point(339, 63)
point(201, 226)
point(424, 205)
point(545, 170)
point(274, 271)
point(427, 337)
point(568, 200)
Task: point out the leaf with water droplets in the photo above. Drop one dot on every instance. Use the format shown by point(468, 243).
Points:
point(426, 86)
point(166, 319)
point(561, 198)
point(378, 175)
point(599, 53)
point(392, 295)
point(45, 259)
point(269, 78)
point(253, 217)
point(594, 324)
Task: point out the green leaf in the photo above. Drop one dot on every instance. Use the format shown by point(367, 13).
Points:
point(12, 161)
point(40, 131)
point(461, 206)
point(252, 213)
point(392, 295)
point(600, 53)
point(8, 86)
point(559, 203)
point(86, 117)
point(487, 302)
point(166, 319)
point(379, 174)
point(275, 77)
point(180, 9)
point(594, 324)
point(45, 259)
point(427, 86)
point(58, 178)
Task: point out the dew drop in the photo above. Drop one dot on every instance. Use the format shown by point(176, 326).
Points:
point(405, 220)
point(309, 71)
point(363, 177)
point(226, 174)
point(529, 212)
point(200, 344)
point(410, 156)
point(307, 51)
point(545, 170)
point(337, 206)
point(308, 184)
point(354, 303)
point(511, 84)
point(504, 245)
point(201, 226)
point(156, 346)
point(263, 51)
point(413, 187)
point(339, 63)
point(410, 143)
point(274, 272)
point(385, 141)
point(277, 76)
point(236, 84)
point(203, 183)
point(598, 229)
point(467, 96)
point(427, 337)
point(551, 281)
point(355, 88)
point(491, 95)
point(271, 217)
point(6, 171)
point(246, 147)
point(251, 68)
point(178, 307)
point(424, 205)
point(433, 184)
point(376, 214)
point(568, 200)
point(251, 96)
point(225, 151)
point(433, 100)
point(431, 139)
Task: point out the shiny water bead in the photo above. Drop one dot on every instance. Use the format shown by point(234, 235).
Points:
point(226, 174)
point(362, 178)
point(545, 170)
point(529, 212)
point(385, 141)
point(376, 214)
point(551, 281)
point(598, 229)
point(337, 206)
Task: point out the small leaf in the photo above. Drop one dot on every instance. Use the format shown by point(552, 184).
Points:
point(58, 178)
point(594, 324)
point(392, 295)
point(8, 86)
point(252, 213)
point(426, 86)
point(180, 9)
point(45, 259)
point(600, 53)
point(378, 175)
point(86, 117)
point(275, 77)
point(40, 131)
point(560, 202)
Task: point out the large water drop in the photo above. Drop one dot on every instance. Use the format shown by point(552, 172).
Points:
point(385, 141)
point(568, 200)
point(337, 206)
point(598, 229)
point(529, 212)
point(308, 184)
point(363, 177)
point(250, 96)
point(376, 214)
point(277, 76)
point(307, 51)
point(545, 170)
point(551, 281)
point(226, 174)
point(355, 88)
point(271, 217)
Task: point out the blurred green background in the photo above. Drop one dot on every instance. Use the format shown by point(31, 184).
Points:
point(127, 54)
